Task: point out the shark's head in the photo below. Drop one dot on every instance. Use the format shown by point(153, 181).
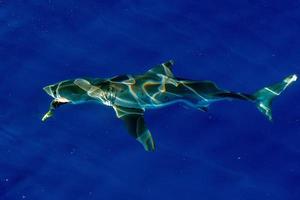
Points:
point(55, 93)
point(67, 91)
point(52, 90)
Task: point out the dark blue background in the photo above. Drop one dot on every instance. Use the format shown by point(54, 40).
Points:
point(84, 152)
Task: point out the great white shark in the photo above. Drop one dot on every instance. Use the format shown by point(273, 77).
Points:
point(130, 95)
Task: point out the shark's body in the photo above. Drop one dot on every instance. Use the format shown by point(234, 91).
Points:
point(131, 95)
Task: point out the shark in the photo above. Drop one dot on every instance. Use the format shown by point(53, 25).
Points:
point(131, 95)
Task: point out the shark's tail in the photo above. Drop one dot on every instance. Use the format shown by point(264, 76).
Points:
point(265, 96)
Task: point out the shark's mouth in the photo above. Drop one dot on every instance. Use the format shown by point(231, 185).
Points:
point(62, 100)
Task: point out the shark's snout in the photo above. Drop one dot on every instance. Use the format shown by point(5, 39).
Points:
point(49, 91)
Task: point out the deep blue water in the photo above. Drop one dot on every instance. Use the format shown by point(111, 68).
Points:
point(84, 152)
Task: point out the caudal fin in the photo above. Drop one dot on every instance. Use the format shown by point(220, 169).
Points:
point(265, 96)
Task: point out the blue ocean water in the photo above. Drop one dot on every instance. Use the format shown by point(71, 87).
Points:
point(84, 152)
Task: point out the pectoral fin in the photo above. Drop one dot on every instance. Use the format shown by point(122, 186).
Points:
point(134, 120)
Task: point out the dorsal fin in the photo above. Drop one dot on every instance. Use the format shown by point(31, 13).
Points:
point(163, 69)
